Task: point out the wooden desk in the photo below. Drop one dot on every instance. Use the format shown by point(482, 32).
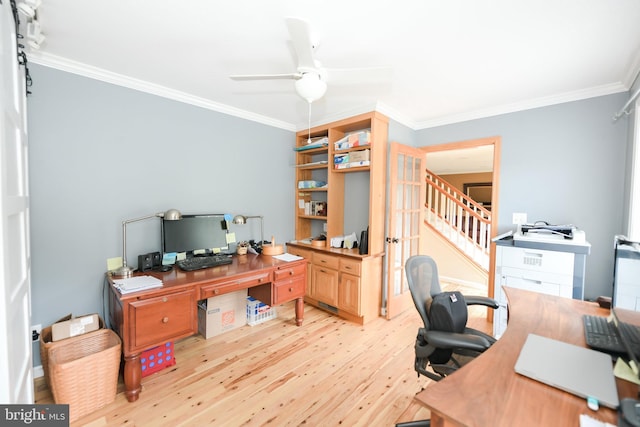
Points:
point(488, 392)
point(152, 317)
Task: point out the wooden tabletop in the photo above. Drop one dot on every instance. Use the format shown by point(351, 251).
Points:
point(488, 392)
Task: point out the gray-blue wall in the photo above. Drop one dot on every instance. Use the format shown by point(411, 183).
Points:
point(100, 154)
point(564, 164)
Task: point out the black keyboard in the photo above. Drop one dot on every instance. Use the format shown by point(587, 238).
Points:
point(600, 334)
point(200, 262)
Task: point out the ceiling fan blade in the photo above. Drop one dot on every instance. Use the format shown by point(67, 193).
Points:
point(364, 75)
point(300, 33)
point(293, 76)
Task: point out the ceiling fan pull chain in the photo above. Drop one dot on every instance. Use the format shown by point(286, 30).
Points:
point(309, 134)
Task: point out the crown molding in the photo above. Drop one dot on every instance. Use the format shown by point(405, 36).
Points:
point(526, 105)
point(85, 70)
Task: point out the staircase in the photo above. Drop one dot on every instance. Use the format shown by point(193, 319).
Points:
point(463, 222)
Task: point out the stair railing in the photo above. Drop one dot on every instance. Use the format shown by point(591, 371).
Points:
point(460, 219)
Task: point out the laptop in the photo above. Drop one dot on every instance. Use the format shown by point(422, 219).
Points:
point(577, 370)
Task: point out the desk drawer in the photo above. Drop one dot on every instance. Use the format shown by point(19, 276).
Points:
point(306, 254)
point(238, 283)
point(286, 290)
point(288, 272)
point(156, 320)
point(350, 266)
point(326, 260)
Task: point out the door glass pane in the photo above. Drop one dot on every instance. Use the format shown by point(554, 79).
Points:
point(397, 262)
point(417, 166)
point(407, 198)
point(400, 167)
point(397, 282)
point(407, 224)
point(409, 169)
point(399, 197)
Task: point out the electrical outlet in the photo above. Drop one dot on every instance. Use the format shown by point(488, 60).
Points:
point(36, 330)
point(324, 227)
point(519, 218)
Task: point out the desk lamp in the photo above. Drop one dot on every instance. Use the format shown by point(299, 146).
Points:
point(125, 270)
point(242, 219)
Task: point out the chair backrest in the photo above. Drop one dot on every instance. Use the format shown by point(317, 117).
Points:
point(424, 284)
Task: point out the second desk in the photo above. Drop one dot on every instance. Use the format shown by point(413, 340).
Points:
point(152, 317)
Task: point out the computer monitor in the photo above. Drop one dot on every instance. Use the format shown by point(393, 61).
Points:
point(195, 233)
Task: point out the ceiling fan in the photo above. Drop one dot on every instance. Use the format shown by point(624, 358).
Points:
point(310, 77)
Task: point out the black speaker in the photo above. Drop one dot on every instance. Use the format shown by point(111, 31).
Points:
point(145, 262)
point(156, 259)
point(363, 247)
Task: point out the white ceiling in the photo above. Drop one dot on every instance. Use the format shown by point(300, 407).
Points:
point(464, 160)
point(451, 60)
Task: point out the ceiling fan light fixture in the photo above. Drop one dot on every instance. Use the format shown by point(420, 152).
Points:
point(311, 87)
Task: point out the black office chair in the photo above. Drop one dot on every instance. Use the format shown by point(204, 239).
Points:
point(443, 350)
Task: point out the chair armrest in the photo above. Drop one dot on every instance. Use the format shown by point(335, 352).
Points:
point(441, 339)
point(480, 300)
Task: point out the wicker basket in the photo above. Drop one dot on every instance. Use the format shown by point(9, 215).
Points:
point(83, 372)
point(46, 344)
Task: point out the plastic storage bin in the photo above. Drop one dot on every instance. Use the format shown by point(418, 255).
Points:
point(259, 312)
point(157, 358)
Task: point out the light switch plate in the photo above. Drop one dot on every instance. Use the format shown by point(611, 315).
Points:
point(519, 218)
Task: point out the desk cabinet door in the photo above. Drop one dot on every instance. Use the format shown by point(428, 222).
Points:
point(325, 285)
point(156, 320)
point(349, 293)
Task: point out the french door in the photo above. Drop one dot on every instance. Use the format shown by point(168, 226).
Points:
point(406, 216)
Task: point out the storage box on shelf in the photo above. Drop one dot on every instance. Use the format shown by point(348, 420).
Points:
point(341, 280)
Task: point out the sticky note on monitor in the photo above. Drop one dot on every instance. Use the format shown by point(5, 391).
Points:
point(169, 258)
point(231, 238)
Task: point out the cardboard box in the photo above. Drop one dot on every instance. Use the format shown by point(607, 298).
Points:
point(223, 313)
point(73, 327)
point(359, 156)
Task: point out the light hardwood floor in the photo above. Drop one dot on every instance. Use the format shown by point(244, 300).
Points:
point(328, 372)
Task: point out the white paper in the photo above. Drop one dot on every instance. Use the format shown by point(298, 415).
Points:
point(137, 283)
point(287, 257)
point(587, 421)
